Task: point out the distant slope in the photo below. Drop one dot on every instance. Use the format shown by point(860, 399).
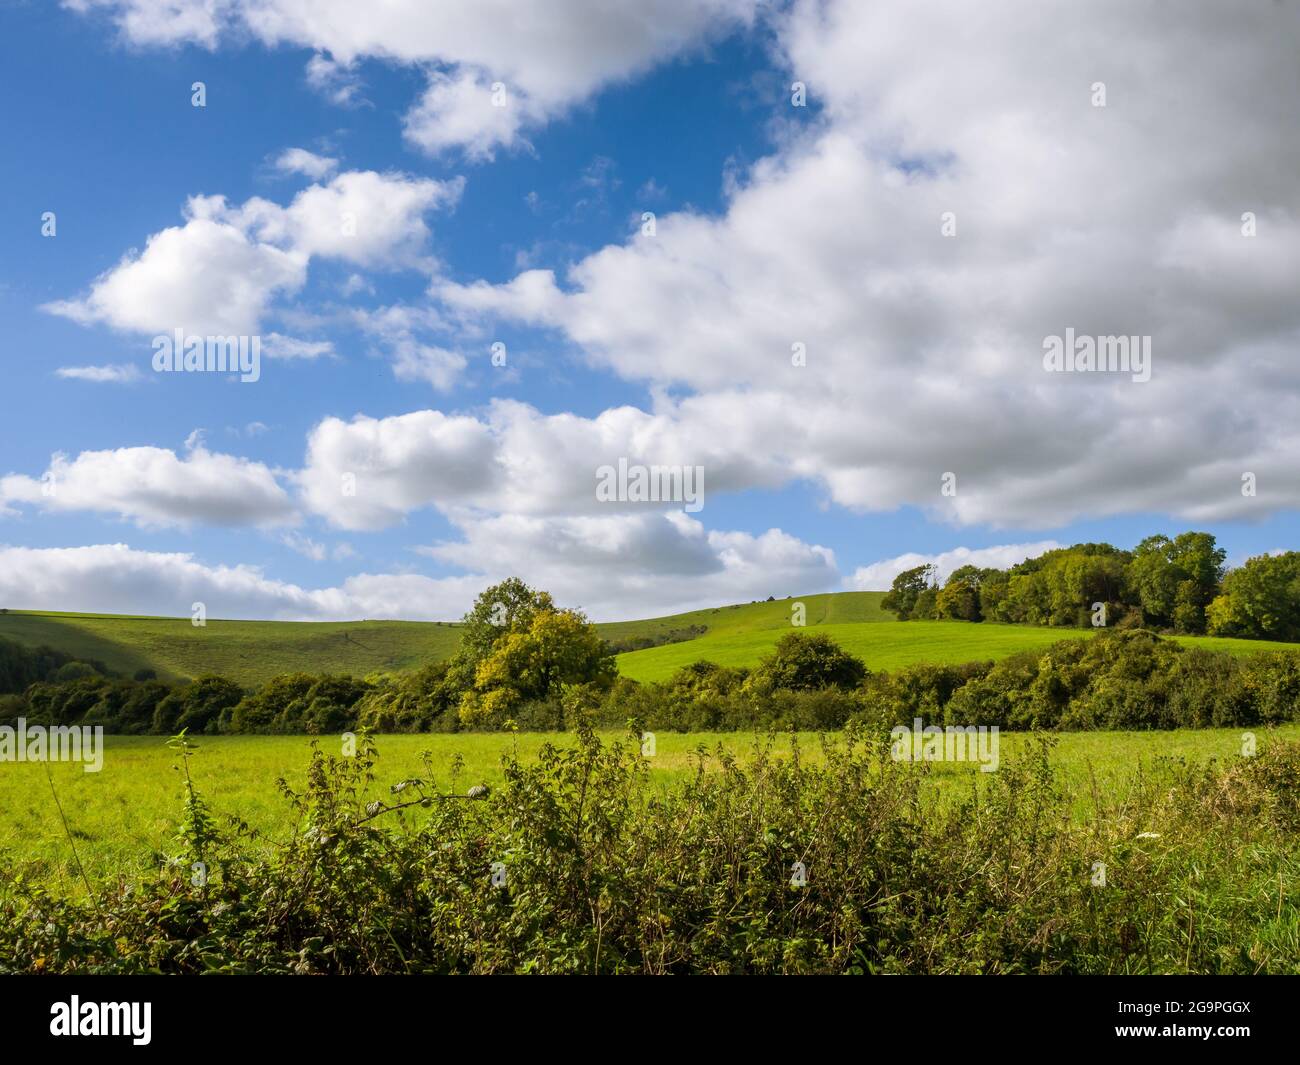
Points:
point(890, 647)
point(251, 652)
point(774, 616)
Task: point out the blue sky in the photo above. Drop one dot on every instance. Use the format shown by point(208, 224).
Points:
point(175, 488)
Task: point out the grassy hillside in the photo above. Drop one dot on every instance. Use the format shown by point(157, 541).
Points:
point(840, 608)
point(890, 646)
point(251, 652)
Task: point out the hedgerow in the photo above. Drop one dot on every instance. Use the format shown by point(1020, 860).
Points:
point(770, 865)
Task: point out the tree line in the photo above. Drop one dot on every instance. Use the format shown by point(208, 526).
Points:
point(525, 664)
point(1178, 585)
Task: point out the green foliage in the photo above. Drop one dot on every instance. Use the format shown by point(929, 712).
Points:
point(22, 666)
point(196, 707)
point(807, 661)
point(1260, 600)
point(573, 865)
point(907, 591)
point(959, 599)
point(423, 701)
point(533, 660)
point(501, 609)
point(1162, 584)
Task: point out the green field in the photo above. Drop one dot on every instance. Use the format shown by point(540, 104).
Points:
point(123, 818)
point(888, 647)
point(248, 652)
point(251, 652)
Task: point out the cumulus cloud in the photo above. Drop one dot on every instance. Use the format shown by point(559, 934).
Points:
point(460, 111)
point(206, 277)
point(402, 332)
point(119, 579)
point(923, 353)
point(361, 217)
point(880, 575)
point(514, 459)
point(370, 472)
point(679, 564)
point(309, 164)
point(219, 272)
point(581, 561)
point(550, 57)
point(154, 486)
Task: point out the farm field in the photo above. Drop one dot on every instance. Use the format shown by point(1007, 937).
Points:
point(251, 652)
point(124, 818)
point(891, 646)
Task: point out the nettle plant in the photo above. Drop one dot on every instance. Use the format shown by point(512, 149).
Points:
point(831, 860)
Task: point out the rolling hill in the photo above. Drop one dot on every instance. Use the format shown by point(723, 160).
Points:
point(251, 652)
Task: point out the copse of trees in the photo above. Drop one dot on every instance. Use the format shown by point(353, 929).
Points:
point(21, 666)
point(1260, 599)
point(1176, 585)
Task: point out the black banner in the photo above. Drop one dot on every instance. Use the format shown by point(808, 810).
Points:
point(1217, 1016)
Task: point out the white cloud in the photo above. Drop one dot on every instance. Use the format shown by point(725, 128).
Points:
point(924, 352)
point(880, 575)
point(221, 270)
point(369, 473)
point(361, 217)
point(431, 364)
point(551, 57)
point(337, 82)
point(116, 578)
point(459, 111)
point(206, 277)
point(275, 346)
point(119, 373)
point(516, 460)
point(155, 487)
point(309, 164)
point(401, 331)
point(678, 564)
point(587, 570)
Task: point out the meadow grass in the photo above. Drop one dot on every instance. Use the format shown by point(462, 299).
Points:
point(890, 647)
point(247, 652)
point(123, 818)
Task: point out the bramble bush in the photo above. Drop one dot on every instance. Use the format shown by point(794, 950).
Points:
point(771, 865)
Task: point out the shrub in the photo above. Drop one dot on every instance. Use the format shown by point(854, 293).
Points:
point(573, 864)
point(808, 661)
